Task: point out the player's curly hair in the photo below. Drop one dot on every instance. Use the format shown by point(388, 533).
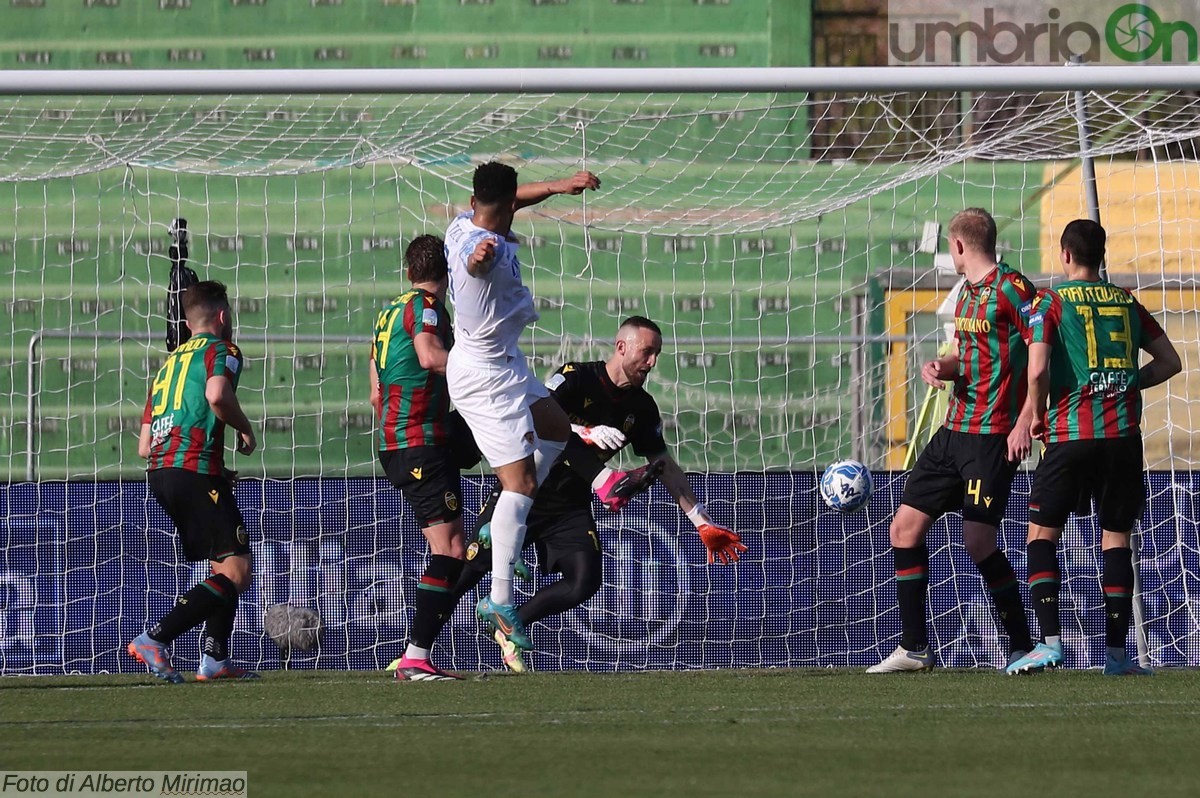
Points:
point(494, 182)
point(425, 259)
point(1085, 240)
point(205, 299)
point(976, 228)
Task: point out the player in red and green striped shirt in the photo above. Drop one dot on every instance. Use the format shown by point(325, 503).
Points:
point(1084, 338)
point(408, 391)
point(191, 401)
point(969, 463)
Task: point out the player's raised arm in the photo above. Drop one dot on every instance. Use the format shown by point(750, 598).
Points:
point(480, 261)
point(723, 544)
point(533, 193)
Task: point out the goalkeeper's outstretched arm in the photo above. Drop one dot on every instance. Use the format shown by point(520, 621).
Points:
point(723, 545)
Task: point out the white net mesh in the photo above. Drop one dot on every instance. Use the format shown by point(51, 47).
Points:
point(782, 241)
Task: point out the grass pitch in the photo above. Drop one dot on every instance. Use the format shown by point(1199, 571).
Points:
point(754, 733)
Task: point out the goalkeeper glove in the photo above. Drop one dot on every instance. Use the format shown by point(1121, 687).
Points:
point(722, 544)
point(606, 438)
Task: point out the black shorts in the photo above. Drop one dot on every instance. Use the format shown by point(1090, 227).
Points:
point(1073, 472)
point(962, 471)
point(428, 478)
point(204, 511)
point(554, 534)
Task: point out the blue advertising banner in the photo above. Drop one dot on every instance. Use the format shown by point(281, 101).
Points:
point(85, 566)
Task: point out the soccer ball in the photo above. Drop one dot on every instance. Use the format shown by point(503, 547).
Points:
point(846, 485)
point(293, 628)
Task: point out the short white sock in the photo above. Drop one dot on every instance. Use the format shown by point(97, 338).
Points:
point(1053, 640)
point(602, 477)
point(508, 535)
point(414, 652)
point(545, 456)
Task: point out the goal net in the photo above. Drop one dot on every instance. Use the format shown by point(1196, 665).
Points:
point(786, 241)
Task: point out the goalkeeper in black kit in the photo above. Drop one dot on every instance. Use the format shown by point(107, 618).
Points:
point(609, 410)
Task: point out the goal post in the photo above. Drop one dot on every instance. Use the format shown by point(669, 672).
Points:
point(774, 222)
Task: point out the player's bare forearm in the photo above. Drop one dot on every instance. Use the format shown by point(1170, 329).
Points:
point(1028, 412)
point(935, 373)
point(533, 193)
point(948, 365)
point(675, 481)
point(1039, 393)
point(225, 405)
point(376, 398)
point(1154, 373)
point(144, 442)
point(231, 414)
point(1037, 374)
point(1165, 364)
point(430, 353)
point(1020, 438)
point(480, 261)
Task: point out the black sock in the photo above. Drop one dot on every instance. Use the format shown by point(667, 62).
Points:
point(1118, 596)
point(218, 628)
point(489, 506)
point(581, 577)
point(581, 458)
point(472, 574)
point(1005, 588)
point(1043, 586)
point(435, 599)
point(194, 607)
point(912, 590)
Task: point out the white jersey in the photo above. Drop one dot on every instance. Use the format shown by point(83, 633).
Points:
point(490, 311)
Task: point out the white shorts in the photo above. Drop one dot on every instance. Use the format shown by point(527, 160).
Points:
point(493, 397)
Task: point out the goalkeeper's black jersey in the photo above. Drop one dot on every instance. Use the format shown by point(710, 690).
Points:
point(590, 399)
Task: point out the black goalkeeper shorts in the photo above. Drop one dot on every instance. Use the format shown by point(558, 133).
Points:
point(554, 534)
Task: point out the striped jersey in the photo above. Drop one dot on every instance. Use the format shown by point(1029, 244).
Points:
point(490, 311)
point(184, 431)
point(989, 322)
point(1095, 330)
point(415, 401)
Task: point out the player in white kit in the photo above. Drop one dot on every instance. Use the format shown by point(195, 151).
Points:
point(518, 427)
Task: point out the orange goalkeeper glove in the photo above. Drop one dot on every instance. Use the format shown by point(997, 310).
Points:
point(722, 544)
